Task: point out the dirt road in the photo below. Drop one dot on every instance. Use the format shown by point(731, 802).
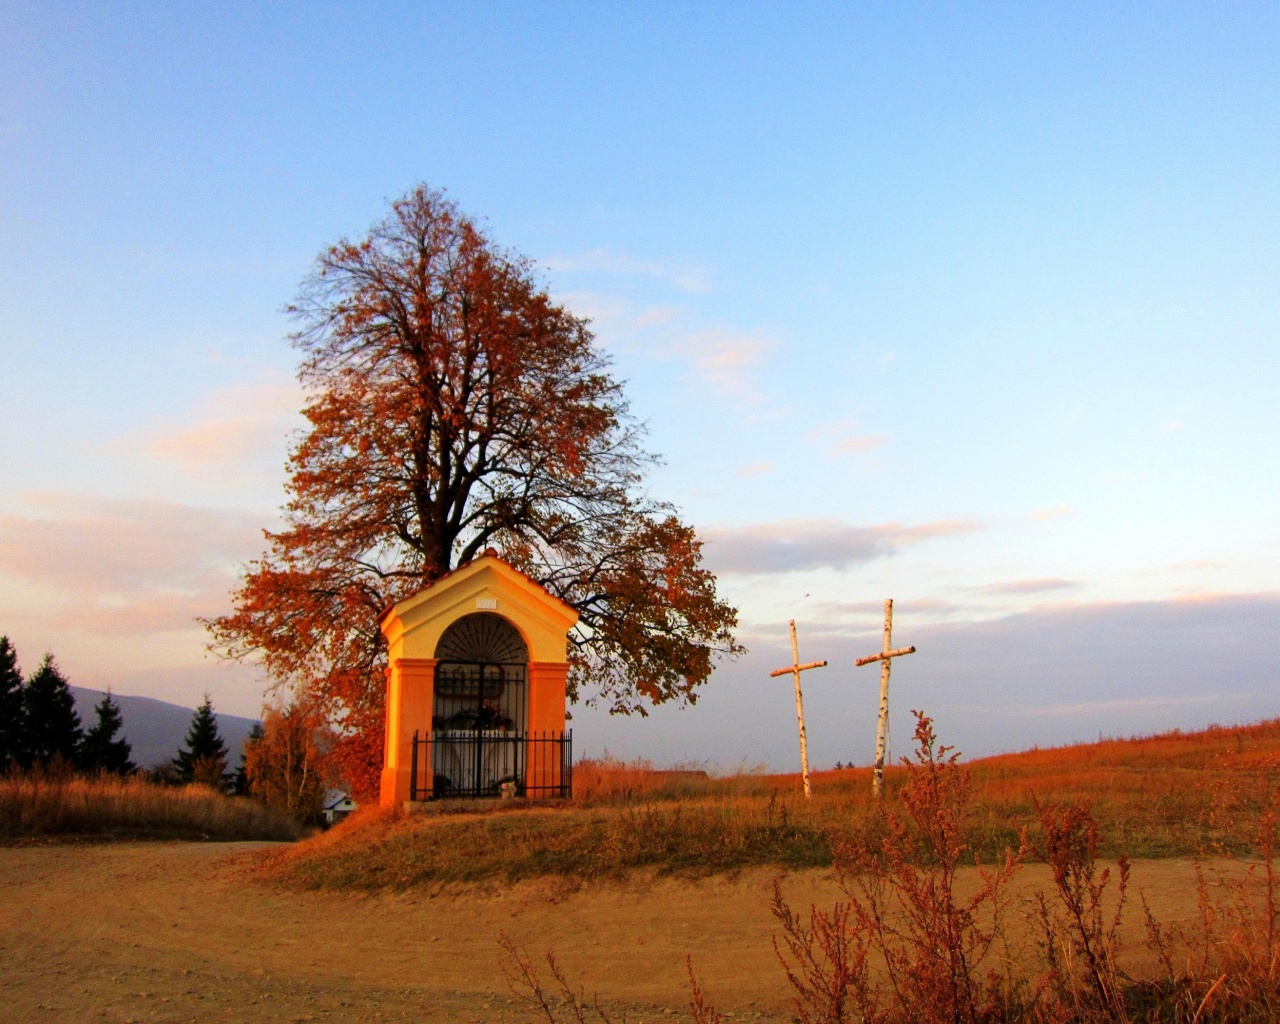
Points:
point(186, 932)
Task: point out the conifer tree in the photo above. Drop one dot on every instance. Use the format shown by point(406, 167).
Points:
point(52, 727)
point(101, 750)
point(204, 759)
point(12, 733)
point(240, 781)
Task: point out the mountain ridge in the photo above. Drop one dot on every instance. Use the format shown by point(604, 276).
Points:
point(156, 729)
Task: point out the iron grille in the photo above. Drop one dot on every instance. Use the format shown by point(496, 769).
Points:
point(479, 763)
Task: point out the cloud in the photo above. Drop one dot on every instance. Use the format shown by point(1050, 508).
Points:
point(617, 318)
point(858, 444)
point(911, 606)
point(1122, 704)
point(686, 278)
point(1046, 677)
point(932, 531)
point(1036, 586)
point(844, 438)
point(756, 469)
point(124, 566)
point(724, 359)
point(235, 430)
point(1053, 512)
point(802, 544)
point(719, 358)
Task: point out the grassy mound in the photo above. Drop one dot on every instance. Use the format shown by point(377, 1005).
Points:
point(33, 807)
point(376, 850)
point(1173, 795)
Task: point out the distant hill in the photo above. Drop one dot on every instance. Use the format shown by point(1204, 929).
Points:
point(156, 728)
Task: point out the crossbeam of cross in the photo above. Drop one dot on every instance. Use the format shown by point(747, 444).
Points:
point(885, 657)
point(795, 668)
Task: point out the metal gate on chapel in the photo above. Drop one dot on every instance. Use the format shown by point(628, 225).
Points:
point(479, 744)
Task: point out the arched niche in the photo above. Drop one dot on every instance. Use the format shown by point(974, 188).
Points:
point(481, 677)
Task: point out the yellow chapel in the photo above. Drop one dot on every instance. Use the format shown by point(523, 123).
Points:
point(477, 668)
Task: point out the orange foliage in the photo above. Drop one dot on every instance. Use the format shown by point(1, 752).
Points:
point(453, 406)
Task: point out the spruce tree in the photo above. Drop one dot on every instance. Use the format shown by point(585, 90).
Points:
point(101, 750)
point(12, 733)
point(240, 781)
point(204, 759)
point(52, 727)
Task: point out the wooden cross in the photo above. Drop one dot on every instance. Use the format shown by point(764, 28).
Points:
point(882, 728)
point(795, 670)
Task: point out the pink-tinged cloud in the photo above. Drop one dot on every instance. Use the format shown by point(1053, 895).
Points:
point(859, 444)
point(1053, 512)
point(720, 359)
point(843, 438)
point(725, 360)
point(1037, 586)
point(1126, 705)
point(833, 612)
point(130, 567)
point(235, 428)
point(804, 544)
point(935, 530)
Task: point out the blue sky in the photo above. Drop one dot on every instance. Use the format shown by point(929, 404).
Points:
point(971, 306)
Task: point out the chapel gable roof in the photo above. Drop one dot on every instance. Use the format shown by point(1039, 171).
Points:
point(489, 557)
point(485, 583)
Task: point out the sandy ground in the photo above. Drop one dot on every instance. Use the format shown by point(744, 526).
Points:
point(186, 932)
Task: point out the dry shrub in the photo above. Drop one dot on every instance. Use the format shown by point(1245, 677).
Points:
point(559, 998)
point(903, 908)
point(34, 805)
point(701, 1011)
point(905, 947)
point(931, 947)
point(1080, 937)
point(526, 984)
point(1225, 967)
point(826, 962)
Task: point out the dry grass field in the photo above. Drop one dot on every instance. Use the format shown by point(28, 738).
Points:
point(38, 808)
point(171, 932)
point(394, 917)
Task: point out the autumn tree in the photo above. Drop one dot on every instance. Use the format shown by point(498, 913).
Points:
point(453, 407)
point(284, 764)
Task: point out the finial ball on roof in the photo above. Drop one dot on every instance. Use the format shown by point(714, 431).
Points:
point(491, 552)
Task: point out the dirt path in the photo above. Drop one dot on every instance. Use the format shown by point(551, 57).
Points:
point(184, 932)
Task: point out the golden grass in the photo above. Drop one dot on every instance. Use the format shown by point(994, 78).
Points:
point(33, 807)
point(906, 946)
point(1161, 796)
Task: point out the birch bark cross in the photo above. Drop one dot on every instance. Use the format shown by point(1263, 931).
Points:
point(795, 669)
point(882, 726)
